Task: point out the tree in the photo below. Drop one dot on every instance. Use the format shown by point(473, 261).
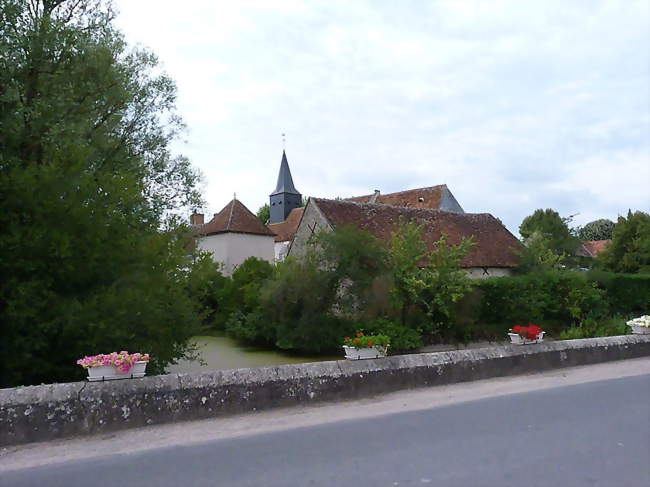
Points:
point(629, 251)
point(597, 230)
point(92, 256)
point(264, 213)
point(552, 228)
point(432, 279)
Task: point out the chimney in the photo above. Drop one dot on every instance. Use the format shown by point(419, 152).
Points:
point(196, 219)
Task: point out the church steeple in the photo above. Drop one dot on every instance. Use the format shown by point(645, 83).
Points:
point(285, 197)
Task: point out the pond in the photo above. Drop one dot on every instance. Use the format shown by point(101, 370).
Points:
point(219, 352)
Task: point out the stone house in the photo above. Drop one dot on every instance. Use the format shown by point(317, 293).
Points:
point(495, 252)
point(233, 235)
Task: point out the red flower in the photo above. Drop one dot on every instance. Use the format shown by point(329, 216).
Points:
point(359, 334)
point(370, 343)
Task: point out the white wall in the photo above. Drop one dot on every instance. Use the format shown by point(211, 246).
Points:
point(485, 272)
point(232, 249)
point(281, 250)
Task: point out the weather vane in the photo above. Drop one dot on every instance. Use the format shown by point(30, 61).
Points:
point(284, 142)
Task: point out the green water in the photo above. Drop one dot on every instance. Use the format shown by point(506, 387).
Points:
point(220, 353)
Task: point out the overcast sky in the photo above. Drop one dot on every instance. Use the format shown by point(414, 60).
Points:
point(515, 105)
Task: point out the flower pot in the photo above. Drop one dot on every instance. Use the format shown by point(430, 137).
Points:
point(110, 372)
point(352, 353)
point(640, 330)
point(517, 339)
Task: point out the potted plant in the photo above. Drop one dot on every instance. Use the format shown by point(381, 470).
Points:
point(640, 325)
point(365, 346)
point(110, 366)
point(526, 334)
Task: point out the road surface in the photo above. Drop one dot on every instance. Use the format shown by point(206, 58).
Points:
point(562, 432)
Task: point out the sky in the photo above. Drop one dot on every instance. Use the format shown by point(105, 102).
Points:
point(515, 105)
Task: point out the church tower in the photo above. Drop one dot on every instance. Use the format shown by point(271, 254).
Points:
point(285, 197)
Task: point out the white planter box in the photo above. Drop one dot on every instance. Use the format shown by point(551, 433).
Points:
point(110, 372)
point(352, 353)
point(639, 330)
point(516, 339)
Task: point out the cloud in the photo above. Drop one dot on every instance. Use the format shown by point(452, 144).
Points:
point(515, 105)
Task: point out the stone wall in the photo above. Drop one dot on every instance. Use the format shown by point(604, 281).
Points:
point(46, 412)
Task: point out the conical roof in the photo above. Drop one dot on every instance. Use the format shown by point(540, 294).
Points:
point(285, 181)
point(236, 218)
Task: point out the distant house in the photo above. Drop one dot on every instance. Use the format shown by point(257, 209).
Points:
point(592, 248)
point(233, 235)
point(433, 197)
point(495, 252)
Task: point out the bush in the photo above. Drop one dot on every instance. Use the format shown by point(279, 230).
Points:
point(554, 298)
point(592, 328)
point(402, 338)
point(627, 294)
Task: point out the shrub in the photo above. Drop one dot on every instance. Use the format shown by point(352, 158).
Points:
point(626, 293)
point(591, 328)
point(402, 338)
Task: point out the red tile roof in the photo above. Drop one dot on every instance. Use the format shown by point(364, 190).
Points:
point(285, 230)
point(430, 197)
point(591, 248)
point(494, 245)
point(235, 218)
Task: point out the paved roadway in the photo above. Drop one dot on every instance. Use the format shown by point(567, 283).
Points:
point(585, 434)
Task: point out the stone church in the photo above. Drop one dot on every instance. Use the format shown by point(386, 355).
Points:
point(235, 233)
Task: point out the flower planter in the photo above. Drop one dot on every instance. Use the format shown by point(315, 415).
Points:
point(352, 353)
point(110, 372)
point(517, 339)
point(640, 329)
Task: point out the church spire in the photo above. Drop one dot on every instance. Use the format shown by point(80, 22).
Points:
point(285, 197)
point(285, 181)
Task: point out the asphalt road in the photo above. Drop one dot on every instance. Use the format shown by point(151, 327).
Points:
point(589, 434)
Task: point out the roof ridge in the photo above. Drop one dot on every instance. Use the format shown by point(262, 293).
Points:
point(232, 210)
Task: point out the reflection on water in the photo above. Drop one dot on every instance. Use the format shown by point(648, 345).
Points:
point(225, 353)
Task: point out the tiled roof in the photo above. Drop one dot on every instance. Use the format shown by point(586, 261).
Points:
point(236, 218)
point(430, 197)
point(591, 248)
point(494, 245)
point(284, 231)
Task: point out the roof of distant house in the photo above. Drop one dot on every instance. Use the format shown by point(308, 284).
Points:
point(234, 218)
point(284, 231)
point(494, 245)
point(592, 248)
point(434, 197)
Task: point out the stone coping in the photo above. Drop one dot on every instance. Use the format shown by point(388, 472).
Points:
point(45, 412)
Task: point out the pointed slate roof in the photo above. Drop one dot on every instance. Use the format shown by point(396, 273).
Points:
point(235, 218)
point(285, 181)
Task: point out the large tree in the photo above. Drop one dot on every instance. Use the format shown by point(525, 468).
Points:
point(552, 228)
point(629, 251)
point(92, 258)
point(601, 229)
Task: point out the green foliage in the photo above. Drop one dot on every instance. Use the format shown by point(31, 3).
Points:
point(597, 230)
point(92, 259)
point(538, 256)
point(264, 213)
point(206, 286)
point(353, 259)
point(551, 298)
point(552, 228)
point(361, 340)
point(626, 293)
point(629, 251)
point(401, 338)
point(430, 280)
point(591, 328)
